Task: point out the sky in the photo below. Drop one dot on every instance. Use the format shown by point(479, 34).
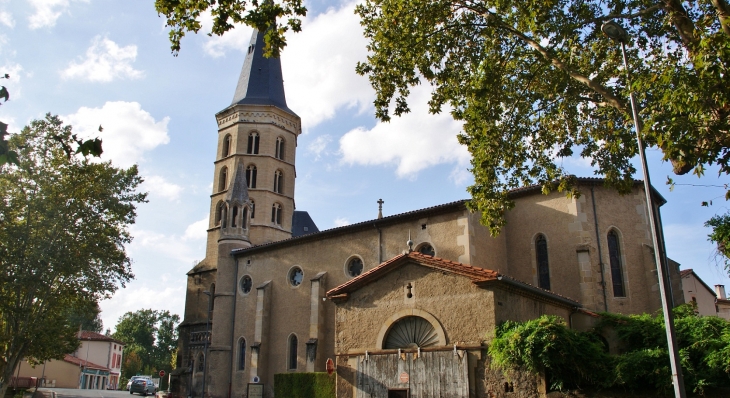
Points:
point(109, 62)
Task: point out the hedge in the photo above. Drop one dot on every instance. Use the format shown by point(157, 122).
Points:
point(304, 385)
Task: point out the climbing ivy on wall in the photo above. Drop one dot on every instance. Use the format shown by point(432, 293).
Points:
point(573, 359)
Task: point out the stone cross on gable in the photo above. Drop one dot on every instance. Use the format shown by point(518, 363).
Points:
point(380, 208)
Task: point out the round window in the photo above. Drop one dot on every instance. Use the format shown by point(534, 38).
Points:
point(296, 275)
point(246, 284)
point(426, 249)
point(354, 267)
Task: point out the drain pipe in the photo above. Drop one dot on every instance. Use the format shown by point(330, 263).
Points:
point(600, 252)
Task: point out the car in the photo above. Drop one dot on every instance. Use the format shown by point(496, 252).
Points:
point(143, 386)
point(133, 378)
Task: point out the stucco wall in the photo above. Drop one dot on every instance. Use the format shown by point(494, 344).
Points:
point(65, 374)
point(693, 288)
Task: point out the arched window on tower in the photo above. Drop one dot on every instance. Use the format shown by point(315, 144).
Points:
point(234, 216)
point(251, 176)
point(614, 256)
point(543, 268)
point(278, 181)
point(253, 144)
point(242, 354)
point(253, 209)
point(276, 214)
point(224, 215)
point(223, 180)
point(279, 148)
point(244, 223)
point(218, 213)
point(226, 146)
point(293, 343)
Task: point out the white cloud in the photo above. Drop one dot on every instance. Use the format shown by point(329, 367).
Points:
point(13, 83)
point(140, 295)
point(413, 142)
point(129, 131)
point(319, 145)
point(319, 67)
point(318, 63)
point(159, 186)
point(6, 19)
point(197, 230)
point(47, 12)
point(105, 61)
point(341, 222)
point(217, 46)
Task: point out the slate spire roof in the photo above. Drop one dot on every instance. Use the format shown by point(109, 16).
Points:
point(261, 81)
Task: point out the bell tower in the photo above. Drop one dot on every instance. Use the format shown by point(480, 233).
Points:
point(259, 132)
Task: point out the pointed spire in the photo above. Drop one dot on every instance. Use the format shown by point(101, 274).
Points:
point(261, 81)
point(239, 188)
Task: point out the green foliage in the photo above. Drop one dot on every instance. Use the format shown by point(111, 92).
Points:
point(569, 358)
point(63, 227)
point(704, 349)
point(577, 359)
point(151, 342)
point(304, 385)
point(720, 236)
point(6, 155)
point(536, 81)
point(85, 315)
point(183, 16)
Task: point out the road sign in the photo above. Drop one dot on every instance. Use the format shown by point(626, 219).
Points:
point(404, 377)
point(162, 373)
point(330, 366)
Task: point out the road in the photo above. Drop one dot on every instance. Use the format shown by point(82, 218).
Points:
point(71, 393)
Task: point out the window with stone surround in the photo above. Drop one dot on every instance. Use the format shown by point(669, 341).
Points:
point(246, 284)
point(223, 180)
point(253, 143)
point(543, 267)
point(226, 146)
point(427, 249)
point(614, 257)
point(279, 150)
point(354, 266)
point(293, 346)
point(278, 181)
point(276, 214)
point(251, 176)
point(241, 354)
point(295, 276)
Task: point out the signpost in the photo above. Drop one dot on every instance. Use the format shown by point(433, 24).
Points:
point(330, 366)
point(162, 373)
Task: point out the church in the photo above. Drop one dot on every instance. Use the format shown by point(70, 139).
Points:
point(405, 304)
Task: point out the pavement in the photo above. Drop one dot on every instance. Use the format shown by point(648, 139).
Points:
point(74, 393)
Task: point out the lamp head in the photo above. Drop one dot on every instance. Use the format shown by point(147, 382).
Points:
point(615, 31)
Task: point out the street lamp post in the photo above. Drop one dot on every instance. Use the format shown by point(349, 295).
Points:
point(207, 337)
point(617, 33)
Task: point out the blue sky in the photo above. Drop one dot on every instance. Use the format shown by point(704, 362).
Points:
point(109, 62)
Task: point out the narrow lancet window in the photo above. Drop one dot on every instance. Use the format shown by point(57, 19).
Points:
point(251, 176)
point(279, 148)
point(226, 146)
point(276, 214)
point(253, 144)
point(223, 182)
point(543, 268)
point(292, 352)
point(614, 255)
point(242, 354)
point(234, 217)
point(278, 181)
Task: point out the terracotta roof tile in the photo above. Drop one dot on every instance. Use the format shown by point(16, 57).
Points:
point(80, 362)
point(476, 274)
point(685, 272)
point(93, 336)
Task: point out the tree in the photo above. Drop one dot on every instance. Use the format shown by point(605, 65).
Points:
point(151, 340)
point(85, 315)
point(720, 236)
point(537, 81)
point(184, 16)
point(63, 225)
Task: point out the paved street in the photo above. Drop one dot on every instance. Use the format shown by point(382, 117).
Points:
point(71, 393)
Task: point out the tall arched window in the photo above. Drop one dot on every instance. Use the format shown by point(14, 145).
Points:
point(543, 268)
point(292, 365)
point(253, 208)
point(244, 223)
point(226, 146)
point(234, 216)
point(223, 180)
point(242, 354)
point(276, 214)
point(224, 215)
point(278, 181)
point(251, 176)
point(253, 143)
point(218, 213)
point(279, 148)
point(614, 256)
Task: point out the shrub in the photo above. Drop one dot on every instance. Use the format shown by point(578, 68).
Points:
point(304, 385)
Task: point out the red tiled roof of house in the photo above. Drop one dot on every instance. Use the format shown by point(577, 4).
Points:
point(80, 362)
point(685, 272)
point(93, 336)
point(476, 274)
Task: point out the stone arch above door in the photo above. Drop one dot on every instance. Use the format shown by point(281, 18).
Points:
point(406, 313)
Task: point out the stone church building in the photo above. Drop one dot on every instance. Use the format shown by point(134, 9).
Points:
point(403, 304)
